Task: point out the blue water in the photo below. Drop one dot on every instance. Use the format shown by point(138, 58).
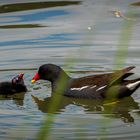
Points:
point(84, 34)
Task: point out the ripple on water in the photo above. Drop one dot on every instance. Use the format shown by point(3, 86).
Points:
point(93, 127)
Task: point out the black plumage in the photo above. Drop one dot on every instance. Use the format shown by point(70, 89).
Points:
point(108, 85)
point(16, 85)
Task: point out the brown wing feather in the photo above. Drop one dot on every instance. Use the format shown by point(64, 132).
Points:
point(101, 79)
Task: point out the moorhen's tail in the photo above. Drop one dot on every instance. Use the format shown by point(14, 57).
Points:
point(118, 76)
point(122, 90)
point(128, 87)
point(132, 85)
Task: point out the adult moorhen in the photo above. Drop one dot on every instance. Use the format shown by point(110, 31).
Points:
point(108, 85)
point(16, 85)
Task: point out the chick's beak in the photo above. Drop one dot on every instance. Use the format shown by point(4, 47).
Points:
point(35, 78)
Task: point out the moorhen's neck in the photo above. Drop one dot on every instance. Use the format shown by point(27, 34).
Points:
point(62, 80)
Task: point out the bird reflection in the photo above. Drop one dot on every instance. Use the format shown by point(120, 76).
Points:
point(120, 109)
point(18, 98)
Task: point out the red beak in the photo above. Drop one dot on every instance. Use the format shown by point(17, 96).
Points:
point(35, 78)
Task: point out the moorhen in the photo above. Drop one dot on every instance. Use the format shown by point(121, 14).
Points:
point(16, 85)
point(108, 85)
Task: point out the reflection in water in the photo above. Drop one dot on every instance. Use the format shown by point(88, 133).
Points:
point(34, 5)
point(20, 26)
point(18, 98)
point(120, 109)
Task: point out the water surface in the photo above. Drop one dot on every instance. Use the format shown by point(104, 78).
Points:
point(85, 34)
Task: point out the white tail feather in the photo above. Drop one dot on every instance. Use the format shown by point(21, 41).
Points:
point(132, 86)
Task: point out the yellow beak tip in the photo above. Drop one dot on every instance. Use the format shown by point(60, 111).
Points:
point(33, 81)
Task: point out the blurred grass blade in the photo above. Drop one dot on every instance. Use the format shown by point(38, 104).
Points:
point(123, 44)
point(135, 4)
point(56, 100)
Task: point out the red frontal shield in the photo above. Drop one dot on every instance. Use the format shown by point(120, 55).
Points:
point(21, 75)
point(35, 78)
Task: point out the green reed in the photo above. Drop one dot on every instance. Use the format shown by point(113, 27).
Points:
point(52, 108)
point(119, 61)
point(124, 41)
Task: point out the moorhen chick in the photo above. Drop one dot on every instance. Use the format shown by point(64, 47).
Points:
point(108, 85)
point(16, 85)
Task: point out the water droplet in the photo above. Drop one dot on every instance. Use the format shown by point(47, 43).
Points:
point(89, 28)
